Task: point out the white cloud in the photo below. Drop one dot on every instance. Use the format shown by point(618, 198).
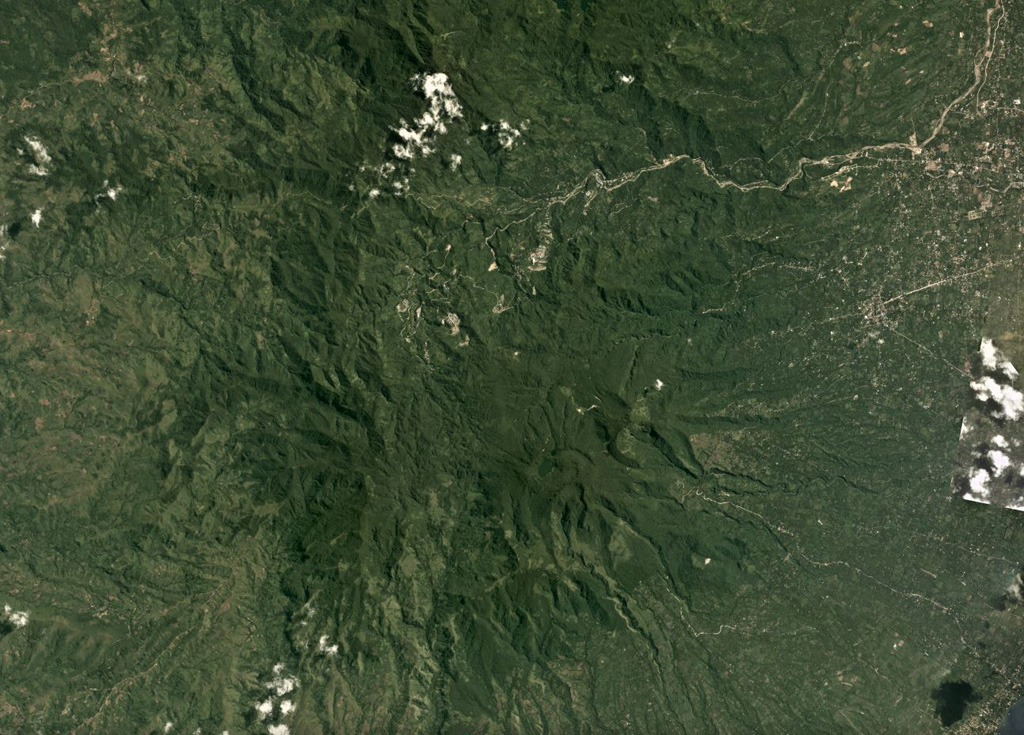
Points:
point(992, 358)
point(418, 136)
point(168, 727)
point(438, 91)
point(1000, 441)
point(287, 707)
point(454, 161)
point(999, 462)
point(278, 730)
point(110, 192)
point(37, 217)
point(415, 142)
point(281, 684)
point(1016, 588)
point(329, 650)
point(42, 157)
point(507, 135)
point(39, 151)
point(400, 187)
point(989, 354)
point(265, 708)
point(626, 79)
point(1010, 401)
point(979, 484)
point(17, 618)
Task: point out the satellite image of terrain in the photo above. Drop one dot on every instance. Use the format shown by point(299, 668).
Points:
point(528, 367)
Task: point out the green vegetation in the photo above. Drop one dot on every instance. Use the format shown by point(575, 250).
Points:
point(638, 415)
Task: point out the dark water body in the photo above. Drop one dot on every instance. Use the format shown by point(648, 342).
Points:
point(1014, 722)
point(951, 700)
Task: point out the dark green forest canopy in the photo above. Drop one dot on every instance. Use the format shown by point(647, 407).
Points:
point(543, 366)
